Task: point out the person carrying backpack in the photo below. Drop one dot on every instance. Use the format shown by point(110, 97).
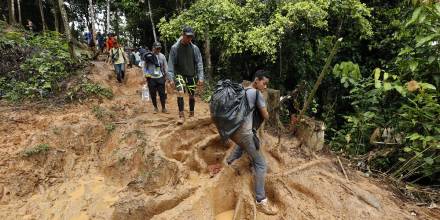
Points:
point(155, 68)
point(237, 114)
point(118, 58)
point(185, 64)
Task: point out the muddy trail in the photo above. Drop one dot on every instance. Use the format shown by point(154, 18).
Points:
point(115, 159)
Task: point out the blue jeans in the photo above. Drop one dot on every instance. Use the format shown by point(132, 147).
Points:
point(245, 142)
point(120, 71)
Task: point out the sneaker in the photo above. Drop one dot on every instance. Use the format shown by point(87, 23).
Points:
point(191, 114)
point(155, 111)
point(264, 207)
point(164, 110)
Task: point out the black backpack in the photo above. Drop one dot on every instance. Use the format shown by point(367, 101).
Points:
point(150, 58)
point(229, 107)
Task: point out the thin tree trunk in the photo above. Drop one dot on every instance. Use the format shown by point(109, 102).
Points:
point(55, 16)
point(117, 23)
point(107, 27)
point(321, 76)
point(152, 23)
point(54, 11)
point(43, 21)
point(208, 56)
point(66, 27)
point(92, 18)
point(19, 12)
point(11, 10)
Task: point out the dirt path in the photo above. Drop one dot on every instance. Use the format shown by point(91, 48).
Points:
point(115, 159)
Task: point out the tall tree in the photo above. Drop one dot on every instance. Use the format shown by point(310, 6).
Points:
point(107, 26)
point(43, 20)
point(55, 13)
point(19, 12)
point(66, 27)
point(151, 19)
point(92, 18)
point(11, 10)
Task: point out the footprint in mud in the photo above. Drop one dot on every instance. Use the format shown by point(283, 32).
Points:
point(197, 146)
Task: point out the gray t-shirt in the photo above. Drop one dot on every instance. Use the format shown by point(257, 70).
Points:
point(158, 72)
point(251, 94)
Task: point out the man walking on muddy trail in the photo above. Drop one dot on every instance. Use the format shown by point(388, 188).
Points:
point(185, 64)
point(247, 141)
point(155, 71)
point(118, 58)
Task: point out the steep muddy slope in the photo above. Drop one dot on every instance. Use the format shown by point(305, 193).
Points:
point(115, 159)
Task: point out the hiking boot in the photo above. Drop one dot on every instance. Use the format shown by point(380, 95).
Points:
point(264, 207)
point(155, 111)
point(164, 110)
point(181, 118)
point(191, 114)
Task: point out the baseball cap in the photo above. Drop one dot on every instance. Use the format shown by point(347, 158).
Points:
point(188, 31)
point(157, 45)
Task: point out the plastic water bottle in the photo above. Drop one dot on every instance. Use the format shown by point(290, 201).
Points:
point(145, 93)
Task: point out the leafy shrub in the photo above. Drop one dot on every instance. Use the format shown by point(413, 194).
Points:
point(409, 111)
point(88, 89)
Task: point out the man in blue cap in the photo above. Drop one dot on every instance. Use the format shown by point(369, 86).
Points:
point(185, 64)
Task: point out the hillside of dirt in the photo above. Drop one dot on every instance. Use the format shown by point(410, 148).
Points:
point(115, 159)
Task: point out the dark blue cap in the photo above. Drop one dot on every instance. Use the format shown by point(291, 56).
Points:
point(188, 31)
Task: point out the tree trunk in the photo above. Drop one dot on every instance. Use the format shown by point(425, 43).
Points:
point(152, 23)
point(273, 107)
point(117, 23)
point(107, 26)
point(11, 10)
point(66, 27)
point(55, 16)
point(19, 12)
point(208, 56)
point(321, 76)
point(92, 18)
point(43, 21)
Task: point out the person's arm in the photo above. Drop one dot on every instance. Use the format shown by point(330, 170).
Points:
point(199, 64)
point(261, 105)
point(171, 64)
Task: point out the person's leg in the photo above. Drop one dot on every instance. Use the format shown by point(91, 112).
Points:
point(246, 141)
point(118, 72)
point(161, 90)
point(180, 87)
point(191, 87)
point(235, 154)
point(123, 71)
point(152, 86)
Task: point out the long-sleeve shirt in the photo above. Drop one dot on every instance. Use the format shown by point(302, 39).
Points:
point(172, 61)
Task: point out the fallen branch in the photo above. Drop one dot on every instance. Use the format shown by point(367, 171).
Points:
point(342, 167)
point(302, 167)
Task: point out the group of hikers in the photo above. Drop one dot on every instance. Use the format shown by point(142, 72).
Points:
point(184, 71)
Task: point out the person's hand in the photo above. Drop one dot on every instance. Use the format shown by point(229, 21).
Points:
point(171, 82)
point(200, 83)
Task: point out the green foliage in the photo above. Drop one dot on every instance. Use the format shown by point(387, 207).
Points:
point(110, 127)
point(42, 72)
point(419, 59)
point(408, 109)
point(41, 148)
point(102, 113)
point(258, 27)
point(87, 89)
point(348, 72)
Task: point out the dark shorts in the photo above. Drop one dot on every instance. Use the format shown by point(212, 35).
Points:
point(186, 83)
